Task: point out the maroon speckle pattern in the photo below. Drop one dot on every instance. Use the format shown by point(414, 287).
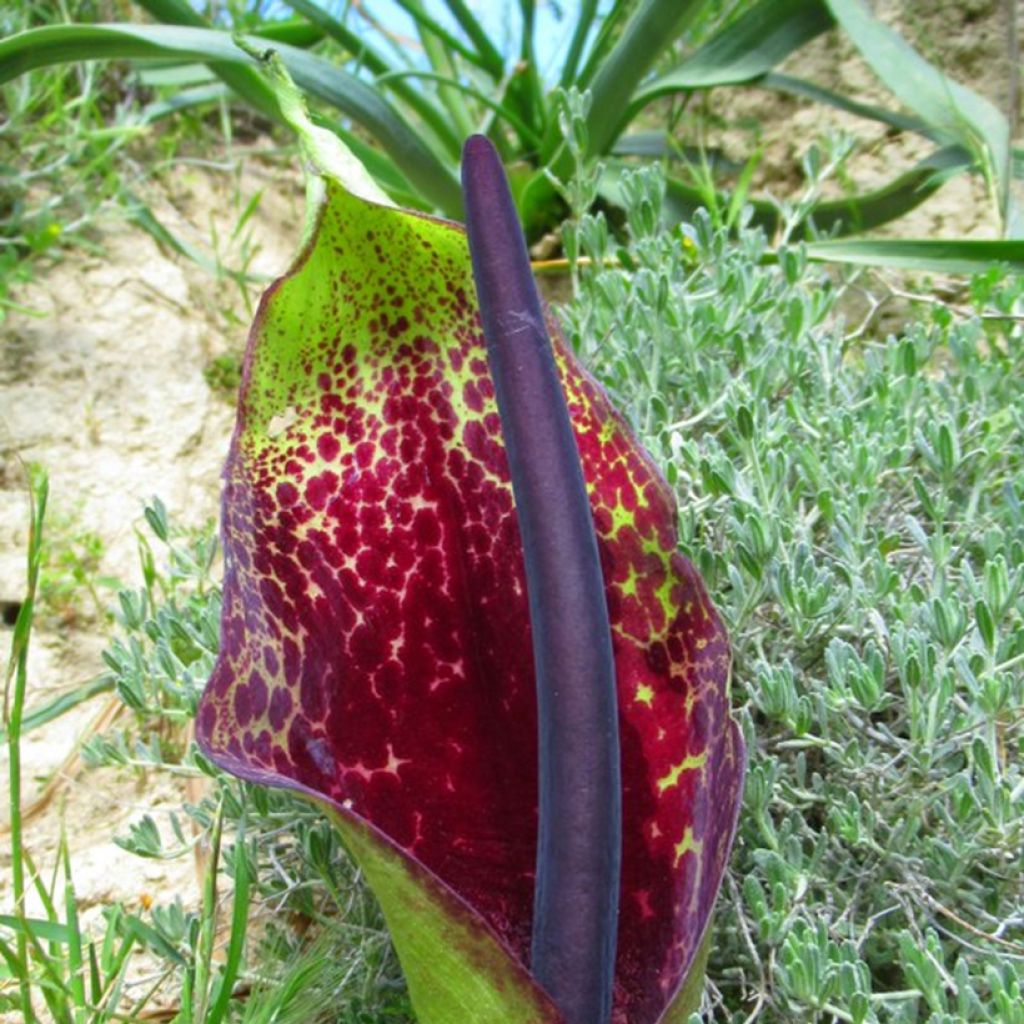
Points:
point(375, 638)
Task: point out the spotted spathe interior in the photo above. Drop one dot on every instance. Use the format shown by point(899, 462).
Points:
point(375, 637)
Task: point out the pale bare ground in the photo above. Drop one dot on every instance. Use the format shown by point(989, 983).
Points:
point(106, 390)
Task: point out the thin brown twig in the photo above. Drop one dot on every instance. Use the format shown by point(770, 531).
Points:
point(762, 982)
point(1015, 948)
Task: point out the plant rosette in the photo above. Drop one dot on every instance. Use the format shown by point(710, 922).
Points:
point(376, 635)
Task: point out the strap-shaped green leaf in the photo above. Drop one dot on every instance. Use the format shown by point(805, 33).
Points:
point(932, 255)
point(850, 214)
point(962, 115)
point(57, 44)
point(747, 48)
point(651, 29)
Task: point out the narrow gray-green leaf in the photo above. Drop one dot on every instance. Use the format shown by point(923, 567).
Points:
point(955, 256)
point(960, 114)
point(651, 30)
point(794, 86)
point(753, 44)
point(52, 709)
point(845, 216)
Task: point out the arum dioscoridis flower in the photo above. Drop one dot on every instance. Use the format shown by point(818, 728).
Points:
point(579, 835)
point(382, 613)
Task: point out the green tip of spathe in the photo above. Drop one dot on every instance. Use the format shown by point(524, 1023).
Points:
point(324, 152)
point(286, 92)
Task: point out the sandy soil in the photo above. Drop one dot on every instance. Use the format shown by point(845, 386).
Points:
point(106, 389)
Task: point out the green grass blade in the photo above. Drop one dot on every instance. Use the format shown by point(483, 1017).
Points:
point(747, 48)
point(15, 968)
point(15, 684)
point(186, 1015)
point(45, 896)
point(116, 969)
point(314, 75)
point(236, 941)
point(653, 28)
point(956, 256)
point(76, 963)
point(741, 191)
point(488, 52)
point(37, 927)
point(95, 982)
point(295, 996)
point(112, 966)
point(960, 114)
point(506, 113)
point(59, 705)
point(207, 923)
point(584, 23)
point(111, 935)
point(142, 215)
point(142, 933)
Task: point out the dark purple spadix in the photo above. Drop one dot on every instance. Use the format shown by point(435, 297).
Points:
point(580, 794)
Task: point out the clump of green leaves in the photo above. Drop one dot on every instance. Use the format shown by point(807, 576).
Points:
point(71, 585)
point(223, 374)
point(62, 146)
point(855, 506)
point(643, 63)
